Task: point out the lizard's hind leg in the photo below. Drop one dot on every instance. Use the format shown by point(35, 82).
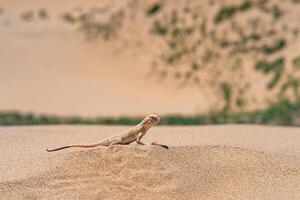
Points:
point(114, 142)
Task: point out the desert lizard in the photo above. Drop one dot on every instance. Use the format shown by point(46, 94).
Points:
point(126, 137)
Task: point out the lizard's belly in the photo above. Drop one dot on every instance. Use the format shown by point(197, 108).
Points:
point(128, 140)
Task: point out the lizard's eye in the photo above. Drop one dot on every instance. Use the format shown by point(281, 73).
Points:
point(153, 118)
point(149, 120)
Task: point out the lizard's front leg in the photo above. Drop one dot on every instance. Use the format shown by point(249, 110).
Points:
point(139, 137)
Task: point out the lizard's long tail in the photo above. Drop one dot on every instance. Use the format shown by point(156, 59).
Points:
point(77, 145)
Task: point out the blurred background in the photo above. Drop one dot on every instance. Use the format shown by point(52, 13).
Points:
point(112, 62)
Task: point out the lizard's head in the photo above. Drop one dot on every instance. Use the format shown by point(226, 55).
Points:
point(150, 120)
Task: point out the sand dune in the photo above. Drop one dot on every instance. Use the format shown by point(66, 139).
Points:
point(48, 67)
point(134, 172)
point(210, 170)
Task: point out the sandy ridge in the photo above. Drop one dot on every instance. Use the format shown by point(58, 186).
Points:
point(203, 162)
point(134, 172)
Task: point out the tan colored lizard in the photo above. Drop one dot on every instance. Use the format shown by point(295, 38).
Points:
point(133, 134)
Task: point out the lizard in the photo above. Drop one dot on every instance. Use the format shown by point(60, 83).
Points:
point(135, 133)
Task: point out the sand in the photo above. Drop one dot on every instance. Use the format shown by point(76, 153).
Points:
point(207, 162)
